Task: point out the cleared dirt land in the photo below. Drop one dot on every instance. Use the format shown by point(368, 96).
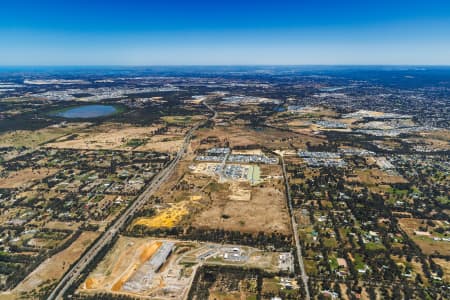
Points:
point(265, 210)
point(166, 218)
point(233, 205)
point(54, 267)
point(120, 264)
point(24, 177)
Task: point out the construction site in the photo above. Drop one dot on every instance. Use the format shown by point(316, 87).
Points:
point(138, 267)
point(148, 268)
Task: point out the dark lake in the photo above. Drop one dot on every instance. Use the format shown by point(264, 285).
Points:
point(87, 111)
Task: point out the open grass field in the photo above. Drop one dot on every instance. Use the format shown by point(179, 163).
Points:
point(114, 136)
point(226, 296)
point(254, 175)
point(34, 138)
point(182, 120)
point(414, 267)
point(425, 241)
point(177, 119)
point(272, 286)
point(162, 143)
point(445, 265)
point(432, 144)
point(441, 134)
point(54, 267)
point(240, 136)
point(62, 225)
point(375, 177)
point(24, 177)
point(227, 286)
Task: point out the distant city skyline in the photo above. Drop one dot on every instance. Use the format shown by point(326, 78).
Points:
point(321, 32)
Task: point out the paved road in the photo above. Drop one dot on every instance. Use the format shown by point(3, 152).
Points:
point(303, 274)
point(71, 276)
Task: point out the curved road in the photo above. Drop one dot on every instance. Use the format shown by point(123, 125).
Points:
point(71, 276)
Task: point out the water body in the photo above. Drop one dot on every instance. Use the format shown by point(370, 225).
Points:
point(331, 89)
point(87, 112)
point(279, 109)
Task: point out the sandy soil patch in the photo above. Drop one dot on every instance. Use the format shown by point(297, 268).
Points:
point(240, 192)
point(299, 123)
point(204, 168)
point(120, 263)
point(166, 218)
point(213, 295)
point(147, 251)
point(169, 217)
point(445, 265)
point(248, 152)
point(25, 176)
point(434, 144)
point(442, 134)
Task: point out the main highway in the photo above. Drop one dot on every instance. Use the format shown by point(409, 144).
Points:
point(76, 270)
point(303, 274)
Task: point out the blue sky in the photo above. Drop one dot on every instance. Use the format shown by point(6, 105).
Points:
point(100, 32)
